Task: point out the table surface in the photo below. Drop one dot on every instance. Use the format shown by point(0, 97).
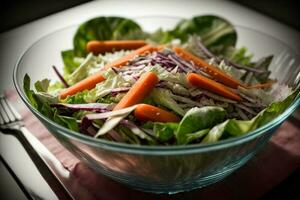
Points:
point(14, 42)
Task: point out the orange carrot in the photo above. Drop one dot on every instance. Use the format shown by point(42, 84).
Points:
point(207, 68)
point(160, 47)
point(122, 61)
point(91, 81)
point(145, 112)
point(97, 47)
point(213, 86)
point(85, 84)
point(139, 91)
point(261, 85)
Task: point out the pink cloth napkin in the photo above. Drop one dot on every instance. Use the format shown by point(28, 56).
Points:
point(279, 158)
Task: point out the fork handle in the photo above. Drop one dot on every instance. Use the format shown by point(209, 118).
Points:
point(49, 167)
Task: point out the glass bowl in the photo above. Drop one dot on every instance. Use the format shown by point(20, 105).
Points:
point(161, 169)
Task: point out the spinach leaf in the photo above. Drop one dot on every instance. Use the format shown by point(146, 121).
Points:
point(215, 32)
point(198, 119)
point(105, 28)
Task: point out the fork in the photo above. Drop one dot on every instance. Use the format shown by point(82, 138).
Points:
point(11, 124)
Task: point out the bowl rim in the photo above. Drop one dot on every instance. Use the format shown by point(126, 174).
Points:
point(159, 149)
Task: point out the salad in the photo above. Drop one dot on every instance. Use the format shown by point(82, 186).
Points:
point(182, 86)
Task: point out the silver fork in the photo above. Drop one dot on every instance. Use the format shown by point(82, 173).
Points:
point(49, 167)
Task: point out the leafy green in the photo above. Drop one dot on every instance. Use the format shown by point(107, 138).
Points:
point(231, 126)
point(105, 28)
point(127, 135)
point(161, 37)
point(70, 64)
point(263, 64)
point(163, 74)
point(41, 101)
point(235, 127)
point(42, 86)
point(191, 137)
point(198, 119)
point(82, 71)
point(112, 80)
point(69, 122)
point(78, 98)
point(163, 97)
point(238, 55)
point(164, 131)
point(213, 30)
point(29, 93)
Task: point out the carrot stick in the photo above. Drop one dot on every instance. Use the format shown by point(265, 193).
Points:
point(213, 86)
point(122, 61)
point(138, 91)
point(85, 84)
point(145, 112)
point(261, 85)
point(207, 68)
point(91, 81)
point(97, 47)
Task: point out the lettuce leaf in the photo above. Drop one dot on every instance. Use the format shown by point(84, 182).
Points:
point(197, 119)
point(234, 127)
point(213, 30)
point(82, 71)
point(41, 101)
point(164, 131)
point(163, 97)
point(42, 86)
point(70, 64)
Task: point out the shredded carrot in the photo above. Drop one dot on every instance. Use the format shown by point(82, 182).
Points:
point(97, 47)
point(207, 68)
point(145, 112)
point(213, 86)
point(91, 81)
point(139, 91)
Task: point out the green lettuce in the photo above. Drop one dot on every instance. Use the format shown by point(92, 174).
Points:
point(163, 97)
point(164, 131)
point(82, 71)
point(215, 32)
point(233, 127)
point(197, 119)
point(42, 101)
point(70, 65)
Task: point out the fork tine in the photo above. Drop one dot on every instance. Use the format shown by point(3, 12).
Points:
point(1, 118)
point(13, 110)
point(8, 113)
point(3, 113)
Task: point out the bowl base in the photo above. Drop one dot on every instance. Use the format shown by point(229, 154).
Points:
point(180, 186)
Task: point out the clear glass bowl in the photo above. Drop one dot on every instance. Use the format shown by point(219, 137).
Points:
point(161, 169)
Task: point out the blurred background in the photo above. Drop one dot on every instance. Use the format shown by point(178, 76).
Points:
point(18, 12)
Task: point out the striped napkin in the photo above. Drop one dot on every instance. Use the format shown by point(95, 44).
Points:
point(279, 158)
